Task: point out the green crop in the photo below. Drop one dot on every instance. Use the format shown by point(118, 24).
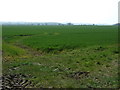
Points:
point(62, 56)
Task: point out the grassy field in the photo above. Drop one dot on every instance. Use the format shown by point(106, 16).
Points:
point(62, 56)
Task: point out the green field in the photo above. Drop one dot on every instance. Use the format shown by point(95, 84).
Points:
point(70, 56)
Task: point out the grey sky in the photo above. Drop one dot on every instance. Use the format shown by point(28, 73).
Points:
point(75, 11)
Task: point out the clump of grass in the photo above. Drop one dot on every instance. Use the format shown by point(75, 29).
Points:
point(11, 51)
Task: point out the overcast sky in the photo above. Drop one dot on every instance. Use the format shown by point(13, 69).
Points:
point(74, 11)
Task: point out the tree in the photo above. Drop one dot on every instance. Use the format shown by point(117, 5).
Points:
point(69, 24)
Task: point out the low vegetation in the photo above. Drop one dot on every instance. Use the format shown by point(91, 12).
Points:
point(62, 56)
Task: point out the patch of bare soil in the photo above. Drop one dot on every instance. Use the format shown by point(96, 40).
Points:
point(79, 75)
point(15, 82)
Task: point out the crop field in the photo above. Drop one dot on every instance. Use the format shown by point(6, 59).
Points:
point(71, 56)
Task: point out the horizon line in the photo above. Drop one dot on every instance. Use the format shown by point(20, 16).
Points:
point(56, 22)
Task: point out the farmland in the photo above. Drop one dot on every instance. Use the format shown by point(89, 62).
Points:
point(70, 56)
